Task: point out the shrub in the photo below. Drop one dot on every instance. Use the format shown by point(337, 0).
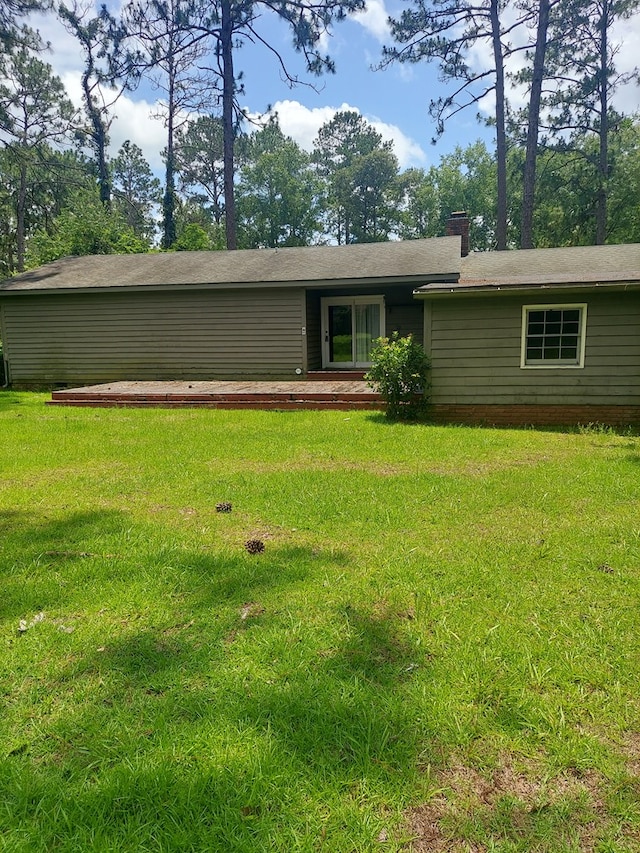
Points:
point(399, 373)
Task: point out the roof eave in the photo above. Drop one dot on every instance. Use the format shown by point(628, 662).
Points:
point(364, 281)
point(495, 289)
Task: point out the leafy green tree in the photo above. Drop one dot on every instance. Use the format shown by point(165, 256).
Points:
point(375, 196)
point(466, 180)
point(565, 200)
point(278, 192)
point(35, 114)
point(105, 71)
point(233, 24)
point(86, 227)
point(448, 31)
point(190, 212)
point(199, 157)
point(53, 176)
point(564, 193)
point(623, 210)
point(582, 67)
point(11, 13)
point(419, 206)
point(136, 191)
point(175, 43)
point(8, 185)
point(361, 173)
point(193, 238)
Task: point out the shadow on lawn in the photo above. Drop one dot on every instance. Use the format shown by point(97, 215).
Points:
point(9, 518)
point(11, 401)
point(381, 419)
point(63, 534)
point(186, 745)
point(240, 578)
point(35, 547)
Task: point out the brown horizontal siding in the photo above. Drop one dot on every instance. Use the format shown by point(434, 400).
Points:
point(600, 343)
point(498, 375)
point(86, 338)
point(314, 331)
point(475, 352)
point(406, 320)
point(205, 317)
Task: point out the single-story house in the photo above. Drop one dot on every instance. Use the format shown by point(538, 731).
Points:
point(539, 336)
point(530, 336)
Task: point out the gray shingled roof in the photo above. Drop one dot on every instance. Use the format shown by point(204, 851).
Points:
point(407, 260)
point(410, 260)
point(578, 265)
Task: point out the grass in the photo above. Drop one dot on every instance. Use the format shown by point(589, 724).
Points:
point(438, 649)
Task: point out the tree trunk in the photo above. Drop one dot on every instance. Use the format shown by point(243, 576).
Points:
point(21, 207)
point(169, 199)
point(104, 179)
point(228, 91)
point(603, 130)
point(501, 136)
point(99, 137)
point(529, 177)
point(100, 144)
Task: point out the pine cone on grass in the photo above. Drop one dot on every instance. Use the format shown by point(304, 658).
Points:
point(254, 546)
point(224, 506)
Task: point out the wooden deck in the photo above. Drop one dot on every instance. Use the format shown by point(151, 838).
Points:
point(301, 394)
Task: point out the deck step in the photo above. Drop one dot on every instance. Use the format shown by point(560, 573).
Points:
point(350, 405)
point(335, 375)
point(61, 397)
point(330, 394)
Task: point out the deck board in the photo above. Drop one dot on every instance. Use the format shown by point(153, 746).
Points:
point(300, 394)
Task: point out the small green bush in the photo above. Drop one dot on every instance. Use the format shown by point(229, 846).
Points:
point(399, 373)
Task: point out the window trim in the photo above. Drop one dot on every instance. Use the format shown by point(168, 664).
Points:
point(554, 365)
point(360, 299)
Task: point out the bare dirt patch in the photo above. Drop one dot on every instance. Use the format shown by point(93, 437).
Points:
point(466, 795)
point(330, 464)
point(631, 752)
point(437, 468)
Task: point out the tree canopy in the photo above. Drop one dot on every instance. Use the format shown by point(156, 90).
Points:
point(565, 168)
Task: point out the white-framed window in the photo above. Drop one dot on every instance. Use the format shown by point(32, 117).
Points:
point(351, 324)
point(553, 335)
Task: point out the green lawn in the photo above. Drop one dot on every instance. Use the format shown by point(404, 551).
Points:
point(438, 649)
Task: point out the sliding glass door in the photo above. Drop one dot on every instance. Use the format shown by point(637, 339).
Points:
point(350, 324)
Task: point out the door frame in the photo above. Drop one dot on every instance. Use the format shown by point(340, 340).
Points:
point(325, 303)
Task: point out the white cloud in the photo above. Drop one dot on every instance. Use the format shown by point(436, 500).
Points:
point(325, 42)
point(65, 54)
point(133, 112)
point(132, 119)
point(303, 123)
point(407, 150)
point(132, 116)
point(374, 19)
point(135, 120)
point(625, 37)
point(405, 71)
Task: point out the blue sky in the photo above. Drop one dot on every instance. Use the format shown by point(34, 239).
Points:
point(394, 100)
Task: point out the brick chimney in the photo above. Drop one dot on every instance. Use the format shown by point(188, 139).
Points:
point(458, 226)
